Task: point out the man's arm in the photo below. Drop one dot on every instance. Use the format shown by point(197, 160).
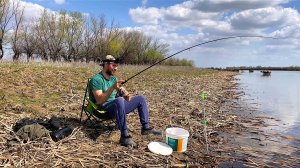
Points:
point(101, 96)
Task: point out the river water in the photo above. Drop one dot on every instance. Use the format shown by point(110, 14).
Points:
point(276, 96)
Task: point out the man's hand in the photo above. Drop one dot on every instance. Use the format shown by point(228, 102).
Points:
point(128, 97)
point(126, 94)
point(118, 84)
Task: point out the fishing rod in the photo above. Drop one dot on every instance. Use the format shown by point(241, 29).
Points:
point(206, 42)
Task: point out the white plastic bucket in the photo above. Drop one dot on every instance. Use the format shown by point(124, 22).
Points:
point(177, 138)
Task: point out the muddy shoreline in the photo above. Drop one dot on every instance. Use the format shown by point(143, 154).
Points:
point(173, 99)
point(256, 141)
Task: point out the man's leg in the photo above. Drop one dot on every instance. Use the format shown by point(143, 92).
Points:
point(116, 109)
point(140, 103)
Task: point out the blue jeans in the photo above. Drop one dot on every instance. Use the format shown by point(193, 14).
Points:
point(119, 108)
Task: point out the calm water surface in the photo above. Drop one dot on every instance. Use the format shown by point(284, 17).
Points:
point(276, 96)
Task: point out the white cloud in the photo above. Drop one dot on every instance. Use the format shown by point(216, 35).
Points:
point(59, 1)
point(210, 19)
point(145, 15)
point(173, 17)
point(31, 10)
point(264, 18)
point(225, 5)
point(184, 15)
point(174, 39)
point(288, 39)
point(180, 12)
point(292, 31)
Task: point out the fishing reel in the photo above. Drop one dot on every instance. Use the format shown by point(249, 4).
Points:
point(121, 92)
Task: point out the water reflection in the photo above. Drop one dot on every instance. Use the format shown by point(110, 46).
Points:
point(276, 96)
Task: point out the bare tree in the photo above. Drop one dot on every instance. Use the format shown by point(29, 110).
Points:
point(77, 30)
point(72, 27)
point(29, 40)
point(90, 36)
point(132, 47)
point(99, 29)
point(6, 14)
point(42, 35)
point(50, 37)
point(68, 36)
point(18, 12)
point(55, 42)
point(112, 36)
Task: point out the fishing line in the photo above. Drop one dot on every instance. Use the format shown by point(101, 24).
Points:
point(206, 42)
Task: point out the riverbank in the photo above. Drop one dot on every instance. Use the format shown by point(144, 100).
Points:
point(34, 90)
point(267, 108)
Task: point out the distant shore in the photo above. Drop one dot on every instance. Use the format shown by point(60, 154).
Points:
point(292, 68)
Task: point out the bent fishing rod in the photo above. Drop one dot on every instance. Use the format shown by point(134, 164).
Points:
point(206, 42)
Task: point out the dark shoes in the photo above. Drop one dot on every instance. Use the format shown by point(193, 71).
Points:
point(127, 141)
point(149, 131)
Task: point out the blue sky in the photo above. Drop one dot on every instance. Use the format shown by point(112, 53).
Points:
point(182, 24)
point(112, 9)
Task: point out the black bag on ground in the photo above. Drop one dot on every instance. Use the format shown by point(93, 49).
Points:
point(53, 125)
point(61, 134)
point(27, 121)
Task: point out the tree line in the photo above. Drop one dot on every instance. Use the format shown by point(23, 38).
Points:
point(237, 68)
point(72, 36)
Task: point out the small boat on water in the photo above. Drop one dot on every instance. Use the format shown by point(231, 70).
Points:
point(251, 70)
point(266, 72)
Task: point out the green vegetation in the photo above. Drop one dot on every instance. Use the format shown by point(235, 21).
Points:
point(179, 62)
point(74, 37)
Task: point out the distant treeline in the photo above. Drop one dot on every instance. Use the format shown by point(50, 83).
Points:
point(73, 36)
point(291, 68)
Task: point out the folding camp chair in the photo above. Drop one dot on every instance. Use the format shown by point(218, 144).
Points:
point(92, 110)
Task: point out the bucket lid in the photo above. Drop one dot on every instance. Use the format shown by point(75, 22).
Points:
point(177, 132)
point(160, 148)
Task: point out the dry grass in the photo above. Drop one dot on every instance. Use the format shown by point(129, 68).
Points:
point(44, 90)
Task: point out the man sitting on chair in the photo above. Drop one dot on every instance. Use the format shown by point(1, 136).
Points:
point(103, 89)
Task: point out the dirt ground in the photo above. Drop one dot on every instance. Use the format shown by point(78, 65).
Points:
point(44, 90)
